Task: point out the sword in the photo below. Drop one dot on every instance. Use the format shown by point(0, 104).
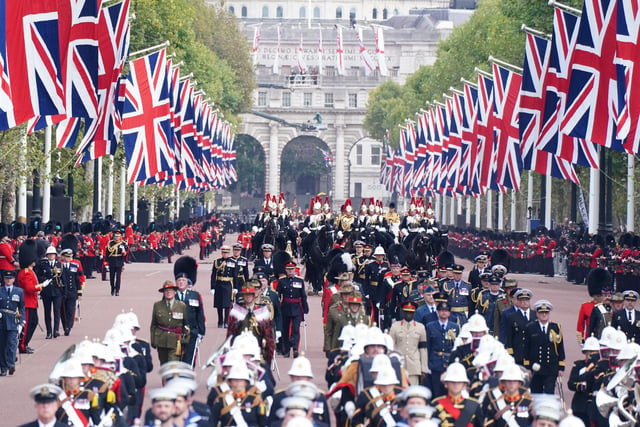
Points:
point(305, 335)
point(78, 317)
point(274, 365)
point(560, 392)
point(195, 350)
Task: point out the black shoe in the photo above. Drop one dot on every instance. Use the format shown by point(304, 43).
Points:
point(117, 293)
point(3, 374)
point(12, 370)
point(286, 354)
point(49, 336)
point(56, 334)
point(219, 325)
point(91, 277)
point(112, 292)
point(28, 350)
point(67, 332)
point(226, 325)
point(295, 354)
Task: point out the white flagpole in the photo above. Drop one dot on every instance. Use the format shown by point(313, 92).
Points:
point(320, 51)
point(500, 211)
point(478, 208)
point(529, 199)
point(22, 185)
point(109, 209)
point(276, 62)
point(513, 210)
point(46, 186)
point(123, 193)
point(134, 205)
point(489, 210)
point(631, 211)
point(547, 203)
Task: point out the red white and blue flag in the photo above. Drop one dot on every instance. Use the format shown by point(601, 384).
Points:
point(628, 60)
point(146, 118)
point(469, 180)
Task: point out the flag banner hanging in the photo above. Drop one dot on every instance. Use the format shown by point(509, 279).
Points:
point(382, 62)
point(276, 61)
point(369, 66)
point(302, 65)
point(339, 51)
point(320, 62)
point(256, 44)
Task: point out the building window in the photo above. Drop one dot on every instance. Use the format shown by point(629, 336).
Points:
point(262, 99)
point(328, 100)
point(308, 99)
point(265, 11)
point(279, 12)
point(385, 13)
point(352, 13)
point(353, 100)
point(339, 13)
point(232, 10)
point(395, 12)
point(374, 14)
point(286, 99)
point(316, 12)
point(357, 190)
point(375, 156)
point(244, 11)
point(359, 154)
point(303, 13)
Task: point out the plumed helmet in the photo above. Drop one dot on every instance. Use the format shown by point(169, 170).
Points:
point(597, 280)
point(28, 253)
point(186, 266)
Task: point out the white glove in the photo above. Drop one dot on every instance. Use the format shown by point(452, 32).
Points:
point(45, 283)
point(535, 367)
point(339, 235)
point(213, 291)
point(0, 315)
point(334, 400)
point(349, 408)
point(278, 335)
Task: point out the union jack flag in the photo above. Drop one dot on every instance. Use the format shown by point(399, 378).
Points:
point(592, 99)
point(628, 56)
point(6, 105)
point(469, 180)
point(536, 62)
point(146, 119)
point(443, 129)
point(407, 144)
point(434, 150)
point(33, 53)
point(556, 86)
point(486, 153)
point(386, 173)
point(328, 159)
point(398, 172)
point(102, 134)
point(454, 112)
point(420, 163)
point(506, 106)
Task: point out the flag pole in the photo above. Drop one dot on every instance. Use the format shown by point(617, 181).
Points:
point(564, 7)
point(123, 193)
point(454, 90)
point(505, 64)
point(142, 52)
point(183, 78)
point(467, 82)
point(535, 32)
point(484, 73)
point(46, 189)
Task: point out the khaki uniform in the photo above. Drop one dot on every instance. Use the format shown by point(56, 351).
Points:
point(410, 339)
point(168, 328)
point(339, 315)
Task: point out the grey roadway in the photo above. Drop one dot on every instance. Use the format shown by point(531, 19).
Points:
point(139, 292)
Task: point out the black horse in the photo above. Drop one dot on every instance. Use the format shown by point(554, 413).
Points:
point(317, 247)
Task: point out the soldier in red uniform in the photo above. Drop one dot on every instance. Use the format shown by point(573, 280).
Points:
point(205, 239)
point(7, 263)
point(28, 282)
point(548, 256)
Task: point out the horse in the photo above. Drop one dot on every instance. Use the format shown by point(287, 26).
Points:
point(317, 246)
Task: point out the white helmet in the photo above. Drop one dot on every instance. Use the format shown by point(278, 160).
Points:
point(456, 373)
point(591, 344)
point(112, 336)
point(83, 355)
point(379, 251)
point(387, 376)
point(571, 421)
point(231, 358)
point(629, 351)
point(606, 335)
point(380, 362)
point(301, 367)
point(465, 332)
point(347, 333)
point(133, 320)
point(122, 320)
point(239, 371)
point(503, 362)
point(72, 369)
point(618, 340)
point(376, 337)
point(512, 373)
point(51, 250)
point(477, 323)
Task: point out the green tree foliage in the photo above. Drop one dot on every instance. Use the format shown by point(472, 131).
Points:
point(385, 110)
point(250, 165)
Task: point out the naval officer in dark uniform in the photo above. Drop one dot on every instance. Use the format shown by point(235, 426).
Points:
point(459, 293)
point(441, 334)
point(293, 305)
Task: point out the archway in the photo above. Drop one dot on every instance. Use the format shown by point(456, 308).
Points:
point(306, 169)
point(251, 168)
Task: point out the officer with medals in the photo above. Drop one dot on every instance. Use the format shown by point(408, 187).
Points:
point(185, 271)
point(293, 297)
point(373, 283)
point(359, 261)
point(222, 285)
point(46, 401)
point(628, 318)
point(401, 292)
point(117, 252)
point(72, 289)
point(238, 407)
point(543, 350)
point(509, 404)
point(478, 291)
point(454, 409)
point(376, 405)
point(487, 301)
point(441, 335)
point(479, 268)
point(254, 318)
point(459, 293)
point(516, 325)
point(242, 266)
point(266, 261)
point(336, 318)
point(12, 319)
point(410, 340)
point(168, 324)
point(504, 308)
point(50, 268)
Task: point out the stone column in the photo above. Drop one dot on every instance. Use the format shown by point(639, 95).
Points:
point(273, 159)
point(339, 173)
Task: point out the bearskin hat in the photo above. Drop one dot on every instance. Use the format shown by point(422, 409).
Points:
point(397, 254)
point(598, 279)
point(186, 266)
point(34, 226)
point(69, 241)
point(28, 253)
point(86, 228)
point(340, 263)
point(446, 258)
point(502, 257)
point(280, 259)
